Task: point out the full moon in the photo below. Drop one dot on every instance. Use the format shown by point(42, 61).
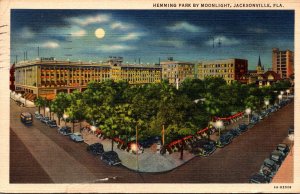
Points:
point(100, 33)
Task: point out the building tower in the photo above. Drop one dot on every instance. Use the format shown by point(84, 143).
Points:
point(259, 69)
point(283, 62)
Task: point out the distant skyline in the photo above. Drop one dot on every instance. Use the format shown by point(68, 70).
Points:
point(94, 35)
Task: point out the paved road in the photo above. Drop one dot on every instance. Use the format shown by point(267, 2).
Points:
point(64, 161)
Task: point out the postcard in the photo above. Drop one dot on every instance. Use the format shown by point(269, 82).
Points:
point(149, 96)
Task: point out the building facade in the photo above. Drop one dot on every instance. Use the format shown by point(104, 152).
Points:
point(174, 71)
point(46, 77)
point(12, 78)
point(228, 69)
point(283, 62)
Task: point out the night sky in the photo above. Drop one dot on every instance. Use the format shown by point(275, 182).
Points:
point(151, 34)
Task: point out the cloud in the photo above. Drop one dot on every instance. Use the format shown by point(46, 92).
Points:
point(224, 41)
point(78, 33)
point(185, 26)
point(257, 30)
point(113, 48)
point(50, 44)
point(170, 43)
point(120, 26)
point(131, 36)
point(27, 33)
point(87, 20)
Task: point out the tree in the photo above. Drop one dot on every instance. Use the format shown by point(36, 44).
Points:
point(76, 110)
point(60, 104)
point(39, 101)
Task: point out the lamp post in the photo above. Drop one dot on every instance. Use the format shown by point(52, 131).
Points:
point(65, 116)
point(219, 125)
point(280, 97)
point(287, 93)
point(267, 102)
point(47, 110)
point(93, 128)
point(248, 112)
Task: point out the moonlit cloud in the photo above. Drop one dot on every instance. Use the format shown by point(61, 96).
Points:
point(115, 48)
point(257, 30)
point(87, 20)
point(120, 26)
point(78, 33)
point(26, 33)
point(50, 45)
point(224, 41)
point(185, 26)
point(131, 36)
point(170, 43)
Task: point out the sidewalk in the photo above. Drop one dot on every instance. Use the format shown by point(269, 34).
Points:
point(149, 160)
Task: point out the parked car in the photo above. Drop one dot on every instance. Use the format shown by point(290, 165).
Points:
point(45, 119)
point(242, 127)
point(37, 115)
point(65, 130)
point(267, 171)
point(271, 164)
point(291, 130)
point(111, 158)
point(52, 123)
point(273, 109)
point(95, 149)
point(277, 157)
point(283, 148)
point(235, 132)
point(224, 139)
point(203, 147)
point(77, 137)
point(254, 120)
point(259, 178)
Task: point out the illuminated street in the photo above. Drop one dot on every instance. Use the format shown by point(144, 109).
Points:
point(38, 154)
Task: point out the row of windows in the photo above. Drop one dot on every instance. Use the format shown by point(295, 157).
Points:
point(220, 75)
point(217, 71)
point(216, 65)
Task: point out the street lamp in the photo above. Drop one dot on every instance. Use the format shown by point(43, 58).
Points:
point(47, 110)
point(93, 128)
point(280, 97)
point(135, 148)
point(65, 116)
point(281, 92)
point(219, 125)
point(248, 112)
point(267, 102)
point(287, 93)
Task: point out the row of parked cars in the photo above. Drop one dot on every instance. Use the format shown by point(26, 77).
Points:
point(256, 118)
point(46, 120)
point(110, 157)
point(65, 130)
point(271, 165)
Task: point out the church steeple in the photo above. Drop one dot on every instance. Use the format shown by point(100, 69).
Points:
point(259, 67)
point(259, 62)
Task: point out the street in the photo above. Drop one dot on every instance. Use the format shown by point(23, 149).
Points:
point(38, 154)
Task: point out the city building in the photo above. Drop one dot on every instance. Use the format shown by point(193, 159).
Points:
point(259, 76)
point(46, 77)
point(12, 78)
point(283, 62)
point(177, 71)
point(228, 69)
